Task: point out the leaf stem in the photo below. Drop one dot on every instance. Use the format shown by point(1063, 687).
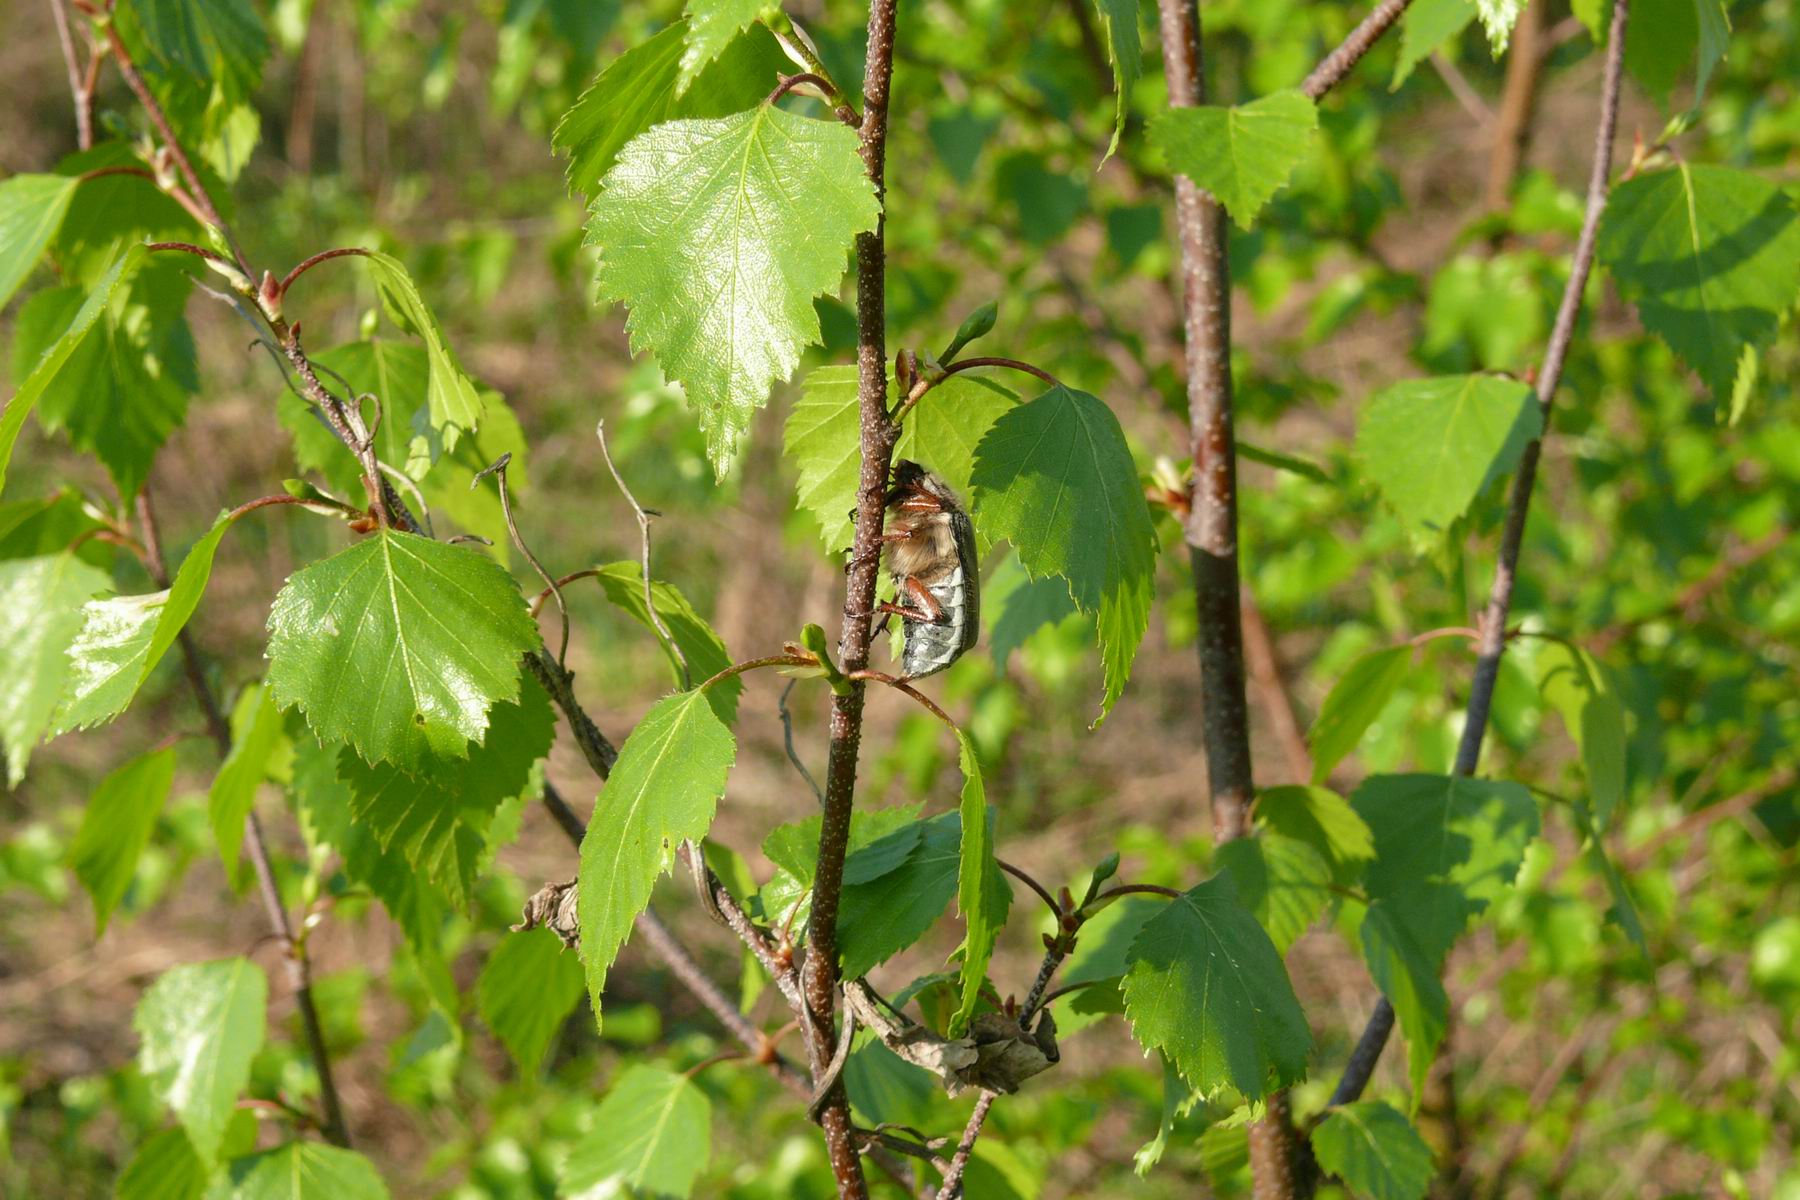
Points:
point(306, 265)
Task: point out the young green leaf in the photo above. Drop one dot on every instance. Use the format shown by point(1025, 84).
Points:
point(941, 432)
point(115, 827)
point(200, 1025)
point(399, 645)
point(704, 650)
point(880, 840)
point(1375, 1150)
point(638, 90)
point(165, 1167)
point(663, 791)
point(1433, 445)
point(43, 597)
point(1243, 155)
point(1323, 820)
point(1498, 18)
point(452, 403)
point(1586, 696)
point(717, 234)
point(982, 894)
point(257, 730)
point(1283, 881)
point(31, 211)
point(1711, 257)
point(437, 819)
point(713, 25)
point(528, 987)
point(1056, 478)
point(54, 358)
point(1427, 25)
point(1405, 935)
point(652, 1133)
point(1469, 832)
point(1207, 988)
point(1623, 911)
point(306, 1171)
point(123, 638)
point(1126, 52)
point(1354, 703)
point(881, 916)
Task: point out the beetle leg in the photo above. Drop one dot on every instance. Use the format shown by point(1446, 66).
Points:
point(925, 605)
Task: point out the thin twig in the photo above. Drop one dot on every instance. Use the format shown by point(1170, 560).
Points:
point(498, 470)
point(1459, 86)
point(959, 1162)
point(1056, 910)
point(306, 265)
point(787, 741)
point(1493, 625)
point(643, 520)
point(299, 970)
point(83, 97)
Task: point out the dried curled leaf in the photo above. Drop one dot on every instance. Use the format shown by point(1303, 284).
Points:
point(997, 1055)
point(553, 907)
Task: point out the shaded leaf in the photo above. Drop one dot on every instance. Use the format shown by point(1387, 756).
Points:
point(115, 827)
point(1207, 988)
point(1585, 695)
point(54, 358)
point(165, 1167)
point(623, 583)
point(256, 732)
point(1244, 154)
point(1711, 257)
point(438, 819)
point(1323, 820)
point(217, 41)
point(1056, 478)
point(527, 989)
point(453, 405)
point(1375, 1150)
point(1021, 606)
point(1425, 26)
point(1433, 445)
point(653, 1132)
point(200, 1024)
point(663, 790)
point(1353, 704)
point(306, 1171)
point(1405, 936)
point(882, 916)
point(698, 236)
point(1283, 881)
point(399, 645)
point(1125, 51)
point(1469, 832)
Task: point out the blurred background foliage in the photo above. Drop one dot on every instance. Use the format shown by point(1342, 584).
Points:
point(1409, 243)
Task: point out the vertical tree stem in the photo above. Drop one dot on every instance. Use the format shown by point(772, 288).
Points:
point(877, 444)
point(1492, 642)
point(1518, 103)
point(299, 970)
point(1212, 524)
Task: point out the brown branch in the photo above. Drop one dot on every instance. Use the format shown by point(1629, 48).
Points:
point(1701, 819)
point(877, 438)
point(1690, 600)
point(299, 969)
point(1493, 624)
point(1334, 66)
point(81, 90)
point(1271, 689)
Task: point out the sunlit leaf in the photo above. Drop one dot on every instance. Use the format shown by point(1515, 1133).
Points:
point(717, 234)
point(1126, 52)
point(704, 650)
point(42, 597)
point(712, 26)
point(256, 732)
point(663, 791)
point(1283, 881)
point(1375, 1150)
point(31, 211)
point(527, 989)
point(453, 405)
point(1353, 704)
point(1207, 988)
point(982, 894)
point(200, 1024)
point(306, 1170)
point(399, 645)
point(1243, 155)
